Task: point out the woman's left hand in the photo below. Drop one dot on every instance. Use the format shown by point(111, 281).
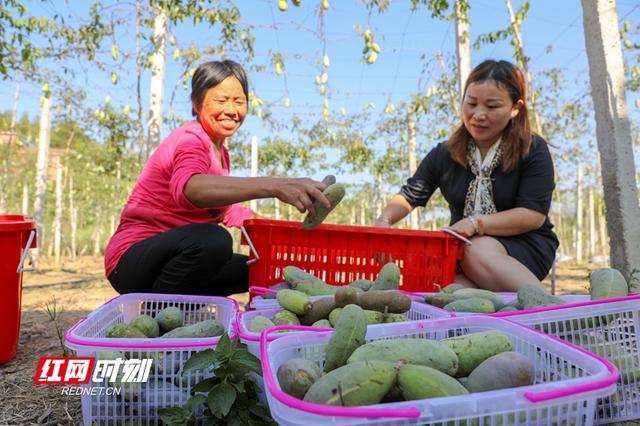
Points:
point(463, 226)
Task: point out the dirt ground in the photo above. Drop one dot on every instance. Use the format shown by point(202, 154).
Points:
point(55, 298)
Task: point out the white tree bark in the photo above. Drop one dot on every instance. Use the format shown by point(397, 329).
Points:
point(277, 208)
point(463, 44)
point(73, 220)
point(536, 124)
point(592, 225)
point(352, 217)
point(156, 95)
point(41, 172)
point(97, 235)
point(253, 204)
point(453, 99)
point(578, 240)
point(25, 199)
point(57, 220)
point(379, 198)
point(613, 130)
point(411, 139)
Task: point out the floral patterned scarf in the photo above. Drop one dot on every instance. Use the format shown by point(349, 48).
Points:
point(479, 198)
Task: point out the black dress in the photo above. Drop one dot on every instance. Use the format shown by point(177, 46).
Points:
point(530, 186)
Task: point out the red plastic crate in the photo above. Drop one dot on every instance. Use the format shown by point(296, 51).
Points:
point(339, 254)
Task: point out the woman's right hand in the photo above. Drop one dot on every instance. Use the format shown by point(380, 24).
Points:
point(300, 193)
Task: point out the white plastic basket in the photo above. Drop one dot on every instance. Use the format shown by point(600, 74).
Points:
point(610, 327)
point(568, 381)
point(506, 296)
point(166, 387)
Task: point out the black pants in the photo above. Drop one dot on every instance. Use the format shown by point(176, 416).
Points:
point(191, 259)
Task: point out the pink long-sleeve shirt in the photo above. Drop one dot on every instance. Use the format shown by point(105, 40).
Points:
point(157, 202)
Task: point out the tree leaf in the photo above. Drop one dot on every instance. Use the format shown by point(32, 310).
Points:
point(224, 349)
point(247, 360)
point(194, 402)
point(221, 398)
point(200, 360)
point(174, 416)
point(261, 411)
point(206, 385)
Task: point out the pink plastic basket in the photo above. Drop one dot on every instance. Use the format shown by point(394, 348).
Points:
point(610, 327)
point(166, 387)
point(568, 381)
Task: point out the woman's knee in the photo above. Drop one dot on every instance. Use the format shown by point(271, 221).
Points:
point(210, 242)
point(482, 252)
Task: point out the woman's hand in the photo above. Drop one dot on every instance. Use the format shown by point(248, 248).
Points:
point(464, 226)
point(301, 193)
point(382, 222)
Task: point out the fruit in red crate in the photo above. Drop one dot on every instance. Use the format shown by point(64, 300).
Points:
point(362, 383)
point(501, 371)
point(348, 334)
point(422, 382)
point(388, 277)
point(296, 376)
point(334, 193)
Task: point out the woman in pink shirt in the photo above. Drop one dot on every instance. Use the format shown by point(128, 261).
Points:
point(169, 239)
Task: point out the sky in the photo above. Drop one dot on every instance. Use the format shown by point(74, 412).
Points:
point(552, 33)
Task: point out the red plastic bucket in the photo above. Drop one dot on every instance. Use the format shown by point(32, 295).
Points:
point(17, 235)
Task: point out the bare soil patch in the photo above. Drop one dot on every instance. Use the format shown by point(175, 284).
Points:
point(73, 290)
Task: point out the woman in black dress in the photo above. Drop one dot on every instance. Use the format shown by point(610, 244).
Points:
point(497, 177)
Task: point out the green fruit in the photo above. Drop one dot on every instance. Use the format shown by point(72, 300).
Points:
point(124, 331)
point(363, 285)
point(388, 277)
point(207, 328)
point(473, 304)
point(474, 348)
point(321, 323)
point(607, 283)
point(346, 296)
point(362, 383)
point(169, 318)
point(497, 301)
point(333, 316)
point(501, 371)
point(296, 376)
point(421, 382)
point(259, 323)
point(334, 193)
point(320, 309)
point(431, 353)
point(294, 301)
point(533, 296)
point(348, 334)
point(147, 325)
point(285, 318)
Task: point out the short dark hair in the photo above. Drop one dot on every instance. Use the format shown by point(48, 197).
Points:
point(212, 73)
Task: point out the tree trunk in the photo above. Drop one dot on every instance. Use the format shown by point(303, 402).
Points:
point(142, 143)
point(578, 240)
point(57, 221)
point(352, 217)
point(277, 208)
point(41, 172)
point(602, 231)
point(536, 124)
point(253, 204)
point(463, 45)
point(379, 196)
point(411, 139)
point(363, 215)
point(452, 93)
point(73, 220)
point(13, 137)
point(156, 93)
point(97, 234)
point(25, 199)
point(613, 131)
point(592, 226)
point(289, 212)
